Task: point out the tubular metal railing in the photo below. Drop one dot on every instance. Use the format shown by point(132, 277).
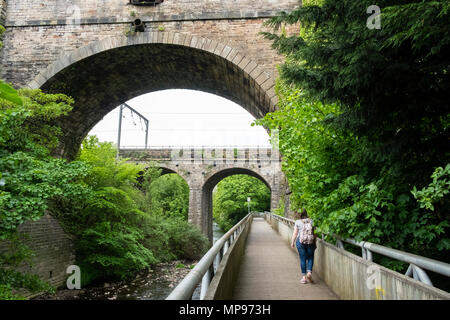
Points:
point(417, 264)
point(204, 270)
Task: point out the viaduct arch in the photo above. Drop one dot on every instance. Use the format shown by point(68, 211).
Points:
point(81, 49)
point(113, 70)
point(203, 169)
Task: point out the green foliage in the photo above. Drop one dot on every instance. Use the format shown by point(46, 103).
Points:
point(230, 199)
point(172, 238)
point(364, 117)
point(170, 196)
point(10, 279)
point(113, 249)
point(342, 192)
point(390, 84)
point(185, 240)
point(30, 183)
point(117, 230)
point(29, 176)
point(9, 94)
point(434, 198)
point(436, 190)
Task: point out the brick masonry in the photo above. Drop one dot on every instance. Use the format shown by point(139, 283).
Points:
point(53, 249)
point(79, 47)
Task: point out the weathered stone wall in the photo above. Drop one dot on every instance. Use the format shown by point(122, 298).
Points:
point(40, 32)
point(26, 12)
point(53, 249)
point(82, 48)
point(29, 50)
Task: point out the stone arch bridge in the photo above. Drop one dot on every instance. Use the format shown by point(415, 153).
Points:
point(89, 50)
point(203, 168)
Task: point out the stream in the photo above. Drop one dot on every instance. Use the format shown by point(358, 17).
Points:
point(155, 284)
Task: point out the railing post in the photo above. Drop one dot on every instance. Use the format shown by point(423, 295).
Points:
point(369, 255)
point(218, 259)
point(414, 272)
point(408, 272)
point(421, 275)
point(226, 246)
point(206, 280)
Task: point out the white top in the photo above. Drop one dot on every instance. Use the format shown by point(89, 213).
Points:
point(299, 225)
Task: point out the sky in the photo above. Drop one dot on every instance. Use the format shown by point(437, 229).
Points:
point(182, 118)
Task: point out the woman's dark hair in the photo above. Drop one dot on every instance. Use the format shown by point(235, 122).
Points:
point(303, 214)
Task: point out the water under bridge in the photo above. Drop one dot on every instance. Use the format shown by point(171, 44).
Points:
point(254, 261)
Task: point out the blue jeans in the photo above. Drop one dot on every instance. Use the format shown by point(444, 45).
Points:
point(306, 253)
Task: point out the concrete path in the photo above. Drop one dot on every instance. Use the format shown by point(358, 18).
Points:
point(270, 270)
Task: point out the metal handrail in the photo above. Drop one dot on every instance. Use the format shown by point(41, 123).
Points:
point(416, 263)
point(204, 270)
point(282, 219)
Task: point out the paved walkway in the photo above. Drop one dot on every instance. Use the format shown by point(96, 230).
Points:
point(270, 270)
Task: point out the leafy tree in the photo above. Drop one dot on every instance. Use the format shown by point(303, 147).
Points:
point(30, 175)
point(364, 118)
point(117, 231)
point(96, 198)
point(230, 199)
point(170, 196)
point(391, 84)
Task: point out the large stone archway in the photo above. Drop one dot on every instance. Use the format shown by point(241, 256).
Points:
point(111, 71)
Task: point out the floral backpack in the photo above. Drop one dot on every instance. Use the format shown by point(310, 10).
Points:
point(307, 234)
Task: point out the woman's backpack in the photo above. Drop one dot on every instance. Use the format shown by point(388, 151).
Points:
point(307, 234)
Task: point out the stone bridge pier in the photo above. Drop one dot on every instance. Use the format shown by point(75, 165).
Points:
point(203, 169)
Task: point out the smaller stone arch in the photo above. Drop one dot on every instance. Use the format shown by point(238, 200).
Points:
point(165, 169)
point(205, 221)
point(105, 73)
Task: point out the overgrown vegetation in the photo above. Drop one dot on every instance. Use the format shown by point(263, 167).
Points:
point(230, 199)
point(29, 176)
point(121, 228)
point(170, 196)
point(364, 120)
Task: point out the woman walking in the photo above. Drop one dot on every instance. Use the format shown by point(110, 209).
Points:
point(305, 241)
